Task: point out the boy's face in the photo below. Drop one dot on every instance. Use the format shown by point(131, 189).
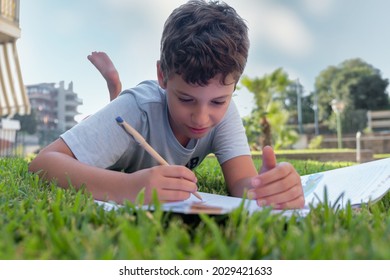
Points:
point(195, 110)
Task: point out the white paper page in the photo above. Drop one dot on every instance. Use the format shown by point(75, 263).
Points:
point(358, 184)
point(226, 203)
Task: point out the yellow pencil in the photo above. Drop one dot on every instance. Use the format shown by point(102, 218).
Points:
point(138, 137)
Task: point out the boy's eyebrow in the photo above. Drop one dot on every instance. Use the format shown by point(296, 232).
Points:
point(189, 95)
point(182, 92)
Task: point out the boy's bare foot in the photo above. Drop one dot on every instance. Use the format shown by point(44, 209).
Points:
point(107, 69)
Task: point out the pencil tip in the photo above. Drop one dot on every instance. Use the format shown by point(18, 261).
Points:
point(119, 119)
point(197, 195)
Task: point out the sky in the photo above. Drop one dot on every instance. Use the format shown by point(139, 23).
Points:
point(303, 37)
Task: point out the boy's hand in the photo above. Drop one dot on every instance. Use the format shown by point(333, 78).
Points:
point(172, 183)
point(278, 185)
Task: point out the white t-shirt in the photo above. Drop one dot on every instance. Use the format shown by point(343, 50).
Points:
point(100, 141)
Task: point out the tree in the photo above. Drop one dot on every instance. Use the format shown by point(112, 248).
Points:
point(28, 123)
point(358, 84)
point(291, 104)
point(369, 93)
point(268, 90)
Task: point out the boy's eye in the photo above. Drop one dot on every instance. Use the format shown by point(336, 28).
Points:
point(185, 99)
point(219, 102)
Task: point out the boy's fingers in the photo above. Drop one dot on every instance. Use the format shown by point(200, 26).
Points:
point(174, 195)
point(269, 159)
point(178, 178)
point(178, 171)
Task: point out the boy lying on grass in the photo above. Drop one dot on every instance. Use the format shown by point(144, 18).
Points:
point(185, 115)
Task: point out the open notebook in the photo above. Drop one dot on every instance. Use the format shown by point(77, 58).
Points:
point(357, 184)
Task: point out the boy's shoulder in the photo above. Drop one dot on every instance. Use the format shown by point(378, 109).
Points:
point(146, 92)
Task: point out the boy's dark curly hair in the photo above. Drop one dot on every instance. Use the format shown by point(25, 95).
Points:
point(203, 39)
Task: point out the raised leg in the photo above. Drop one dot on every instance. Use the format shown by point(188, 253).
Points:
point(107, 69)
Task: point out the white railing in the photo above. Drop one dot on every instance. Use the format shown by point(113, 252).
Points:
point(379, 119)
point(8, 132)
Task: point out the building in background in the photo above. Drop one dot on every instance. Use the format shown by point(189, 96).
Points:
point(54, 107)
point(13, 97)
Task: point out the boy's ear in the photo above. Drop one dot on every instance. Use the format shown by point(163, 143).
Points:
point(160, 75)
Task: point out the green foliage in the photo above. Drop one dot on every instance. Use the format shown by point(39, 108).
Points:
point(269, 91)
point(381, 156)
point(41, 221)
point(28, 123)
point(267, 87)
point(252, 129)
point(316, 142)
point(283, 137)
point(290, 100)
point(358, 84)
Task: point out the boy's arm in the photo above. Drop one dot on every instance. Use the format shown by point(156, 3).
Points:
point(238, 173)
point(278, 185)
point(57, 162)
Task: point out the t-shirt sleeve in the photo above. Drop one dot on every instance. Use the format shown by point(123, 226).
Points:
point(230, 139)
point(98, 140)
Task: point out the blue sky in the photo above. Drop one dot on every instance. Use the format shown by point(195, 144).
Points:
point(301, 36)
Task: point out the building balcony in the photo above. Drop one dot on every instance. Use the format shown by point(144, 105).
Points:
point(75, 101)
point(40, 96)
point(71, 114)
point(9, 21)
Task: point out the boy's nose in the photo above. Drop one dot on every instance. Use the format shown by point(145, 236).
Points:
point(200, 117)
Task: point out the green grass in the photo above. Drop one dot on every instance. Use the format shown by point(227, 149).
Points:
point(308, 151)
point(41, 221)
point(381, 156)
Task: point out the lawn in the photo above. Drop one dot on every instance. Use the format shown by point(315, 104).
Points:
point(41, 221)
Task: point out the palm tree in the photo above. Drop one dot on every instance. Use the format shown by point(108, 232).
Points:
point(265, 91)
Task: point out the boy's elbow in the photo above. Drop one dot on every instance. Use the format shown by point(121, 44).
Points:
point(48, 156)
point(37, 164)
point(34, 166)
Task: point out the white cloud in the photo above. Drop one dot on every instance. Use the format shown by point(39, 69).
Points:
point(278, 27)
point(160, 9)
point(319, 8)
point(286, 32)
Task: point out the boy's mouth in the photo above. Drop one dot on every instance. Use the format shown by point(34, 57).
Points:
point(198, 130)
